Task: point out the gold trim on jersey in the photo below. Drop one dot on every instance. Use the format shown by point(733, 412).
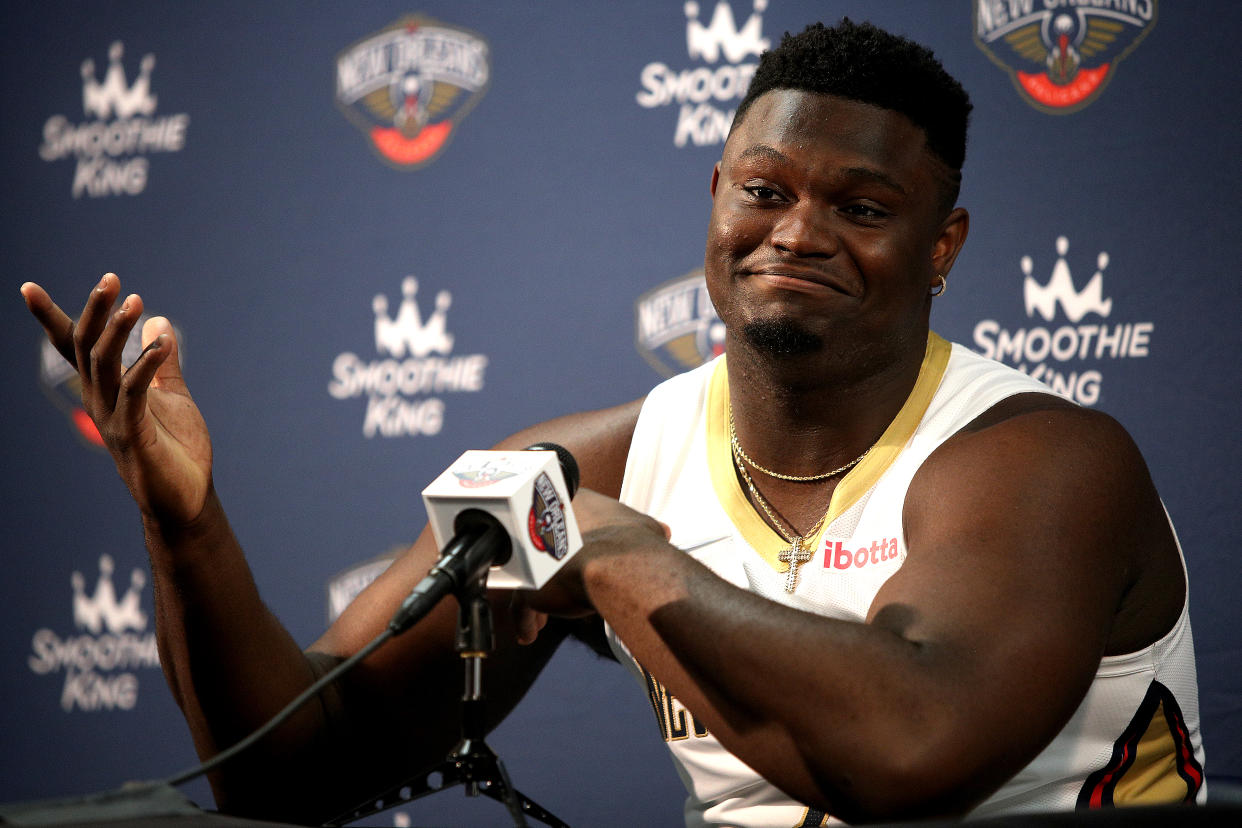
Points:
point(1152, 777)
point(1153, 760)
point(763, 538)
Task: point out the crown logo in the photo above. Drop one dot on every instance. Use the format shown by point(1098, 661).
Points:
point(103, 609)
point(723, 35)
point(1060, 288)
point(114, 94)
point(407, 332)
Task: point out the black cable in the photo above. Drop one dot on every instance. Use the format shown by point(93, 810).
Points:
point(280, 718)
point(466, 552)
point(479, 542)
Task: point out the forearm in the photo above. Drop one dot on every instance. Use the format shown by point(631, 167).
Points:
point(232, 666)
point(229, 662)
point(844, 716)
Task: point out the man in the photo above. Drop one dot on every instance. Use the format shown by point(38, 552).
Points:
point(928, 586)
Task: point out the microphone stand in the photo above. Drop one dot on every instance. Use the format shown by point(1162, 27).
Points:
point(471, 763)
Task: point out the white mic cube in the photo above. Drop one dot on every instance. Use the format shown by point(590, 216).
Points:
point(525, 491)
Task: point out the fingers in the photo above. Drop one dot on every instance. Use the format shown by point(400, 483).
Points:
point(529, 623)
point(132, 396)
point(56, 323)
point(158, 344)
point(95, 344)
point(92, 321)
point(105, 354)
point(169, 374)
point(154, 328)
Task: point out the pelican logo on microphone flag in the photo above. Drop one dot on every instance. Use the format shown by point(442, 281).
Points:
point(547, 519)
point(408, 86)
point(532, 505)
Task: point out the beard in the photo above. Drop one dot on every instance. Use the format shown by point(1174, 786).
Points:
point(781, 337)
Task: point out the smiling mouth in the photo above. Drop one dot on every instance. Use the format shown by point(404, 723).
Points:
point(805, 281)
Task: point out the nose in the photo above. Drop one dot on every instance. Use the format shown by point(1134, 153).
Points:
point(803, 229)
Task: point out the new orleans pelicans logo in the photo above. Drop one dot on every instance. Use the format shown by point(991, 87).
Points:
point(1061, 53)
point(409, 85)
point(676, 327)
point(547, 519)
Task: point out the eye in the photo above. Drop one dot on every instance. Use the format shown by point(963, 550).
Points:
point(865, 212)
point(762, 192)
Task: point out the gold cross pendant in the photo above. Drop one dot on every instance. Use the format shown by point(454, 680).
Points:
point(795, 556)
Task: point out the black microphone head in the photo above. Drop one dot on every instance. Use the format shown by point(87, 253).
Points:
point(569, 466)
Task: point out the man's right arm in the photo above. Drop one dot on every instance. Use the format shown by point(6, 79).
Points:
point(230, 663)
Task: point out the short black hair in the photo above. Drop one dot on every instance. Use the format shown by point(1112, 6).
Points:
point(864, 63)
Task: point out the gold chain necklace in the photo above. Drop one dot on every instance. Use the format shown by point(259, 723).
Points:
point(741, 454)
point(797, 553)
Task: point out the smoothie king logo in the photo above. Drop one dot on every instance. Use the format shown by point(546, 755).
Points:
point(1068, 357)
point(409, 85)
point(415, 365)
point(1061, 53)
point(707, 93)
point(112, 149)
point(676, 327)
point(100, 660)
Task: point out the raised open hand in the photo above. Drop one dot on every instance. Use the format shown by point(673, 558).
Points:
point(144, 413)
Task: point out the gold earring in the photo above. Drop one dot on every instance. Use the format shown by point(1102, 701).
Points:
point(944, 285)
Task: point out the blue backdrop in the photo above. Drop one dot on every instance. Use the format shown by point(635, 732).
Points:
point(271, 175)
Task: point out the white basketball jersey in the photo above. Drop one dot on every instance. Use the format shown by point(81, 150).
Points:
point(1135, 737)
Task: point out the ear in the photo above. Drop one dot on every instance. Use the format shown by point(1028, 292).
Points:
point(949, 240)
point(715, 178)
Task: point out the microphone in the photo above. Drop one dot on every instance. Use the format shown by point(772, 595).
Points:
point(506, 513)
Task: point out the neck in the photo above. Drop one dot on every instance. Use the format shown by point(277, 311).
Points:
point(809, 414)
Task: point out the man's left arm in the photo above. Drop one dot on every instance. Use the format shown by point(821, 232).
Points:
point(1021, 534)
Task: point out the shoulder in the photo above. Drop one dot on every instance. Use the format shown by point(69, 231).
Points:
point(599, 440)
point(1045, 448)
point(1039, 482)
point(1046, 428)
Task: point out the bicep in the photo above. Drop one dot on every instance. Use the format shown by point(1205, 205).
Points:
point(1016, 538)
point(599, 441)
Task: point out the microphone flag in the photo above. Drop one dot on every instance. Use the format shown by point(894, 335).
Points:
point(525, 491)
